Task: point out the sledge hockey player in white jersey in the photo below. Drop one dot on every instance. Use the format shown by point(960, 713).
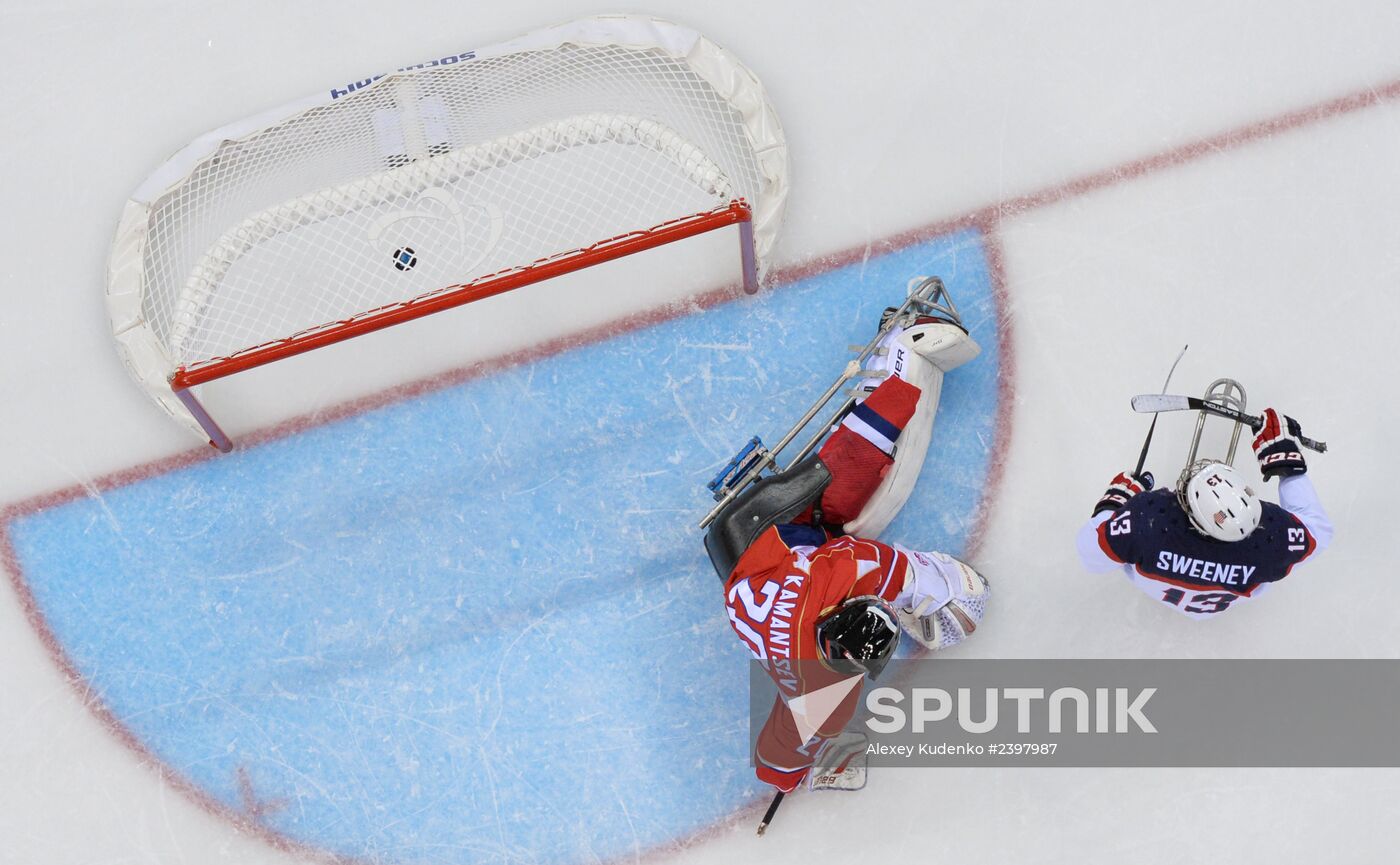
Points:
point(1212, 543)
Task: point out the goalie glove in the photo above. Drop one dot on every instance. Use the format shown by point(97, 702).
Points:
point(1124, 486)
point(1276, 447)
point(840, 765)
point(943, 599)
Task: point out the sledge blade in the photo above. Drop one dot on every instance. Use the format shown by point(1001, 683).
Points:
point(737, 468)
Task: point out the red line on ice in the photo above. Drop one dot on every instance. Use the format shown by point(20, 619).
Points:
point(1006, 390)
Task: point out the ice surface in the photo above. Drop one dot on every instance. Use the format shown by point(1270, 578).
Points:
point(484, 599)
point(1273, 254)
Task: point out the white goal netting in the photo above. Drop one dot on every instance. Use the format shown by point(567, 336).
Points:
point(400, 186)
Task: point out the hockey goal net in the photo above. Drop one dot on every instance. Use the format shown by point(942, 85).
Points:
point(403, 194)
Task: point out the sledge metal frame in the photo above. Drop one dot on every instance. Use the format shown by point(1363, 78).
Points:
point(1227, 393)
point(1223, 392)
point(928, 297)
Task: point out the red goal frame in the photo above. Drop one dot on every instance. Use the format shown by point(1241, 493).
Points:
point(186, 377)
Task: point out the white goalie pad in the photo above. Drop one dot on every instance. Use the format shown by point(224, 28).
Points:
point(931, 351)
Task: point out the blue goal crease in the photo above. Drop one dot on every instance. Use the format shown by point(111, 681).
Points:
point(509, 647)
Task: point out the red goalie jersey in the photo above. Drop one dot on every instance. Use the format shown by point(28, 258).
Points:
point(789, 579)
point(793, 575)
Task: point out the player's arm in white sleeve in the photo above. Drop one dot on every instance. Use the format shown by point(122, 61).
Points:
point(1279, 456)
point(1297, 496)
point(1090, 553)
point(1120, 490)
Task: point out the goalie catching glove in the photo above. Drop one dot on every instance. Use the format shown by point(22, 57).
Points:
point(1124, 486)
point(1277, 448)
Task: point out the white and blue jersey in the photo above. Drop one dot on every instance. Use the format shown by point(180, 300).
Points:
point(1150, 539)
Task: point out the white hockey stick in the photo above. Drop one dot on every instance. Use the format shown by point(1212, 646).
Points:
point(1154, 402)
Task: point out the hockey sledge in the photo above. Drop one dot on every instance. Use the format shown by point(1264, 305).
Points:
point(755, 460)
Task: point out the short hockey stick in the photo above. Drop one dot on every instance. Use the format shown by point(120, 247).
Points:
point(772, 809)
point(1147, 442)
point(1152, 402)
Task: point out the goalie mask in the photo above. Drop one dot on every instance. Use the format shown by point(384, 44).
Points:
point(859, 637)
point(1218, 500)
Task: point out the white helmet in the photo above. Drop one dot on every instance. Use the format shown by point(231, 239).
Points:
point(1219, 501)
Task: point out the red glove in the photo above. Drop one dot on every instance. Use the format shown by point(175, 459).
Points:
point(1276, 447)
point(1124, 486)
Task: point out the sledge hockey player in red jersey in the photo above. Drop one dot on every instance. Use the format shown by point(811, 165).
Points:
point(1212, 543)
point(803, 581)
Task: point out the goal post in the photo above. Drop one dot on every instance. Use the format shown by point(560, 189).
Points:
point(401, 195)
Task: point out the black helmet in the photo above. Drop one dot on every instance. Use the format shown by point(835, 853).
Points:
point(860, 636)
